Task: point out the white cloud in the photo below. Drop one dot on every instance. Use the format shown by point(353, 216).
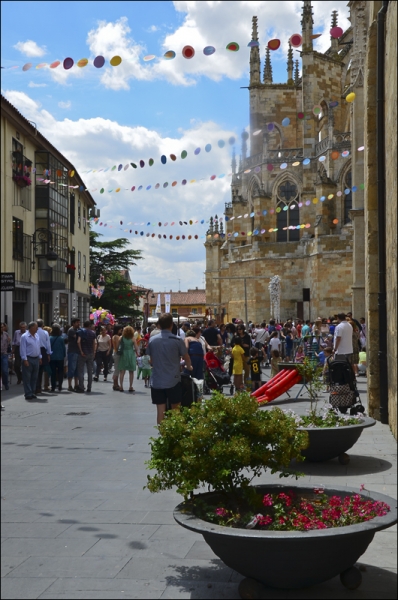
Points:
point(65, 105)
point(31, 84)
point(101, 143)
point(30, 48)
point(152, 29)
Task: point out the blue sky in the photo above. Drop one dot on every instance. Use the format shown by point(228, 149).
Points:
point(101, 117)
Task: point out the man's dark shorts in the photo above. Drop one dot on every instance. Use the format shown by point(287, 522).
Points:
point(168, 396)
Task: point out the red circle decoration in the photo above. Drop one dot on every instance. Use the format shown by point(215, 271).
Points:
point(270, 167)
point(300, 115)
point(232, 47)
point(188, 52)
point(274, 44)
point(296, 40)
point(336, 32)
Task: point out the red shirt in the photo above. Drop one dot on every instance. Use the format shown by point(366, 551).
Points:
point(298, 327)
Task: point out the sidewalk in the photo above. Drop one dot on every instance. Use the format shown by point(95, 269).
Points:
point(76, 522)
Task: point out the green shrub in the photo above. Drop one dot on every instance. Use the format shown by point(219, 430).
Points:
point(223, 444)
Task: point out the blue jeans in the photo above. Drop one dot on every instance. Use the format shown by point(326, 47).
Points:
point(29, 376)
point(72, 365)
point(4, 369)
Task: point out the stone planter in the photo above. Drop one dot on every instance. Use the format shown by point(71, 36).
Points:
point(332, 442)
point(292, 559)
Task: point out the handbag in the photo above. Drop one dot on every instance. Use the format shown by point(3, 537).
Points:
point(341, 395)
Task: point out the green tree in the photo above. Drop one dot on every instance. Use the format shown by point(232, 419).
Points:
point(109, 259)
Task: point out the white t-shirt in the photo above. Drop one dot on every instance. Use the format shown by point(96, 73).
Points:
point(275, 344)
point(261, 336)
point(181, 333)
point(344, 331)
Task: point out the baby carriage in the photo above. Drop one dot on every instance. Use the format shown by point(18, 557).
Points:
point(343, 387)
point(216, 377)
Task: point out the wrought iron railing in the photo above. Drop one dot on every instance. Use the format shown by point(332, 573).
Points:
point(22, 255)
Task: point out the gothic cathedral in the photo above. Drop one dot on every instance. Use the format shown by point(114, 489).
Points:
point(289, 216)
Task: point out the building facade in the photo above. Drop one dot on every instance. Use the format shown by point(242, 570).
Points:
point(289, 216)
point(190, 304)
point(45, 216)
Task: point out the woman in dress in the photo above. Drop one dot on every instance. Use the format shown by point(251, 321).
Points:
point(128, 360)
point(117, 333)
point(103, 352)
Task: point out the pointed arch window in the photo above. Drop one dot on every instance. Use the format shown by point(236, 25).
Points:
point(287, 213)
point(347, 197)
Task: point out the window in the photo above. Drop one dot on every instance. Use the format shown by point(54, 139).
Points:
point(347, 197)
point(72, 213)
point(84, 267)
point(17, 239)
point(79, 215)
point(174, 311)
point(287, 213)
point(194, 311)
point(84, 219)
point(79, 265)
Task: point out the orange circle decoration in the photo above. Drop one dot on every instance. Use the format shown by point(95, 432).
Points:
point(232, 47)
point(82, 62)
point(335, 155)
point(115, 61)
point(335, 221)
point(274, 44)
point(174, 184)
point(55, 64)
point(188, 52)
point(59, 173)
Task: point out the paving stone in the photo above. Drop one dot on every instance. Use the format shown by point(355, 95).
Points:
point(46, 547)
point(33, 530)
point(26, 587)
point(70, 566)
point(10, 562)
point(127, 587)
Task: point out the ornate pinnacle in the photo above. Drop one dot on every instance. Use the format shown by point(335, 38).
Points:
point(254, 29)
point(296, 73)
point(233, 162)
point(307, 14)
point(290, 63)
point(267, 77)
point(335, 15)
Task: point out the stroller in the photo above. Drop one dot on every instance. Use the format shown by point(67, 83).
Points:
point(344, 394)
point(216, 377)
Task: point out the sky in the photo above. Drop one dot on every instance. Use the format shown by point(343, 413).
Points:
point(114, 115)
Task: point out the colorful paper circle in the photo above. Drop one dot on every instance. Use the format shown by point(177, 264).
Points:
point(317, 109)
point(209, 50)
point(27, 66)
point(361, 148)
point(336, 32)
point(174, 184)
point(300, 115)
point(354, 188)
point(150, 162)
point(257, 132)
point(184, 154)
point(307, 202)
point(335, 155)
point(169, 55)
point(82, 62)
point(68, 63)
point(99, 62)
point(184, 182)
point(345, 153)
point(133, 188)
point(173, 157)
point(350, 97)
point(140, 188)
point(347, 191)
point(133, 165)
point(296, 40)
point(315, 201)
point(157, 186)
point(148, 187)
point(253, 44)
point(149, 57)
point(285, 121)
point(197, 151)
point(257, 169)
point(274, 44)
point(102, 190)
point(333, 104)
point(165, 184)
point(221, 143)
point(306, 161)
point(270, 167)
point(41, 65)
point(322, 198)
point(283, 166)
point(117, 190)
point(330, 196)
point(335, 221)
point(115, 61)
point(208, 147)
point(213, 177)
point(188, 52)
point(54, 64)
point(296, 163)
point(231, 141)
point(232, 47)
point(339, 193)
point(270, 127)
point(163, 159)
point(322, 158)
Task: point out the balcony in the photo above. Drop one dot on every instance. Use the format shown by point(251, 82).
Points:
point(341, 141)
point(22, 174)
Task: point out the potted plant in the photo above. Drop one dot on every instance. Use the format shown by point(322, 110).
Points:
point(223, 445)
point(70, 269)
point(22, 180)
point(331, 433)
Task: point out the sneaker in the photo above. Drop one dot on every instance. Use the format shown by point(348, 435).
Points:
point(105, 379)
point(70, 389)
point(79, 390)
point(95, 378)
point(88, 390)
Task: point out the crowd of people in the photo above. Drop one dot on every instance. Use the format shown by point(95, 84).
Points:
point(44, 358)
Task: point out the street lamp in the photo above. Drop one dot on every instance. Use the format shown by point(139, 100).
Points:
point(41, 240)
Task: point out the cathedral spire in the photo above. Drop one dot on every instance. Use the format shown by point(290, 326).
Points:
point(244, 144)
point(233, 162)
point(334, 42)
point(221, 228)
point(240, 168)
point(211, 228)
point(307, 23)
point(290, 65)
point(215, 224)
point(296, 73)
point(254, 56)
point(267, 68)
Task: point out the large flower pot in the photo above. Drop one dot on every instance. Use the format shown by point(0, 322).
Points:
point(292, 559)
point(329, 442)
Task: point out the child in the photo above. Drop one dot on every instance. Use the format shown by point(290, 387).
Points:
point(327, 354)
point(275, 360)
point(255, 369)
point(237, 369)
point(300, 354)
point(289, 345)
point(139, 365)
point(146, 367)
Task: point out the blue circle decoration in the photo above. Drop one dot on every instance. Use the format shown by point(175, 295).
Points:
point(322, 198)
point(120, 167)
point(285, 207)
point(236, 234)
point(256, 232)
point(184, 182)
point(221, 176)
point(197, 151)
point(231, 141)
point(227, 218)
point(165, 184)
point(306, 161)
point(141, 233)
point(347, 191)
point(286, 122)
point(81, 188)
point(208, 147)
point(264, 212)
point(354, 188)
point(221, 143)
point(163, 159)
point(252, 214)
point(333, 104)
point(209, 50)
point(148, 187)
point(140, 188)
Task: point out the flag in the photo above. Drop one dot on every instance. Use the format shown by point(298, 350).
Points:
point(167, 303)
point(158, 306)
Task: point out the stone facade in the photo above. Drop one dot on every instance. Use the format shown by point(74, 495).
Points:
point(269, 200)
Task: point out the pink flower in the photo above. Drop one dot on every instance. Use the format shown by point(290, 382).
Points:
point(267, 500)
point(221, 512)
point(362, 487)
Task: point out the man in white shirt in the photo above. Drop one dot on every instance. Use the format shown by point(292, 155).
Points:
point(183, 330)
point(342, 345)
point(46, 352)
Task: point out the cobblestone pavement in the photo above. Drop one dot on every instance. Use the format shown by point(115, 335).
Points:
point(76, 522)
